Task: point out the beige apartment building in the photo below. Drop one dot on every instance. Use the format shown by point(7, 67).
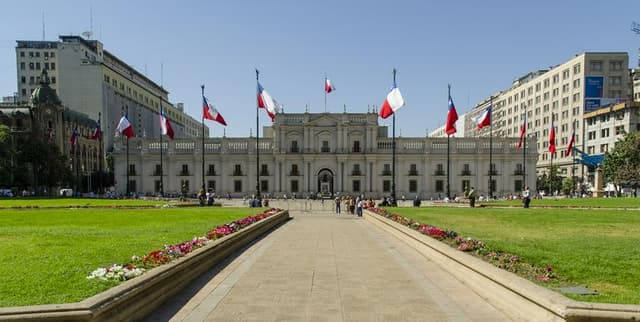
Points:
point(560, 95)
point(91, 80)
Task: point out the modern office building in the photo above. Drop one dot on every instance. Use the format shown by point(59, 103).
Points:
point(91, 80)
point(558, 96)
point(330, 153)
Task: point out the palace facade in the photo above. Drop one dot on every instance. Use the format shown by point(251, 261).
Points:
point(331, 153)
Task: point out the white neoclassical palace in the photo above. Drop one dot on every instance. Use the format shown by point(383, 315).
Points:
point(330, 153)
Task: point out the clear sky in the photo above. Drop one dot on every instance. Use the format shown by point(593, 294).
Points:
point(479, 47)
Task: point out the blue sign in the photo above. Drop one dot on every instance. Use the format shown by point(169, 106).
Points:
point(594, 86)
point(591, 104)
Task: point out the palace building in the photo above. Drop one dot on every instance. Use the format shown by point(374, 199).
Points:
point(303, 154)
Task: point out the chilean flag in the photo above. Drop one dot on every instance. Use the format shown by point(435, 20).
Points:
point(74, 137)
point(96, 132)
point(552, 139)
point(209, 112)
point(523, 131)
point(124, 126)
point(393, 102)
point(452, 117)
point(571, 143)
point(267, 102)
point(484, 119)
point(165, 125)
point(328, 87)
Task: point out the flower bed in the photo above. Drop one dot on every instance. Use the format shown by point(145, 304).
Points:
point(499, 258)
point(138, 265)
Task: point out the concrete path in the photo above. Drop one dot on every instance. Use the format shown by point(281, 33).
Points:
point(327, 267)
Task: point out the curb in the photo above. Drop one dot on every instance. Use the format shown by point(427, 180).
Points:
point(514, 295)
point(135, 298)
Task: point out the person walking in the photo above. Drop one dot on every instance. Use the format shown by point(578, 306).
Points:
point(338, 201)
point(472, 197)
point(526, 197)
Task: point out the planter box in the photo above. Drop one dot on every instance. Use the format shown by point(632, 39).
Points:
point(135, 298)
point(512, 294)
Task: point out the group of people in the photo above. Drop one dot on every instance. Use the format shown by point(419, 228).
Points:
point(206, 198)
point(353, 205)
point(471, 195)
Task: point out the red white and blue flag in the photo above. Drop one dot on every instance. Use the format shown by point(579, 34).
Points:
point(209, 112)
point(523, 131)
point(485, 118)
point(452, 117)
point(74, 137)
point(267, 102)
point(165, 125)
point(552, 139)
point(124, 126)
point(571, 143)
point(96, 132)
point(328, 86)
point(392, 103)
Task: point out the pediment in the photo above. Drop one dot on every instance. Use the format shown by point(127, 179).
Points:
point(324, 120)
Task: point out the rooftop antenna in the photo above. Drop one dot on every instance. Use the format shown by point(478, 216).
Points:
point(635, 27)
point(43, 26)
point(91, 18)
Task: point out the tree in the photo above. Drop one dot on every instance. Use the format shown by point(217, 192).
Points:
point(6, 153)
point(622, 164)
point(550, 183)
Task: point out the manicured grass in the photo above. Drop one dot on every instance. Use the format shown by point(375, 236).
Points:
point(597, 248)
point(623, 202)
point(46, 254)
point(77, 202)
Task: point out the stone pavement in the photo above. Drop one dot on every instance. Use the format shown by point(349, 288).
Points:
point(326, 267)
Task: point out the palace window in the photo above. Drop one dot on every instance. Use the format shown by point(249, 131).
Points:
point(294, 147)
point(185, 170)
point(356, 146)
point(413, 186)
point(212, 170)
point(294, 170)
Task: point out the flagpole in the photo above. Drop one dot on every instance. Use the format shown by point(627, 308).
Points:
point(393, 153)
point(551, 159)
point(325, 93)
point(101, 157)
point(573, 157)
point(448, 161)
point(161, 169)
point(524, 149)
point(202, 88)
point(127, 166)
point(257, 142)
point(491, 148)
point(75, 148)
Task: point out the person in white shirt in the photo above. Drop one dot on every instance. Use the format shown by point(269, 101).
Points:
point(526, 197)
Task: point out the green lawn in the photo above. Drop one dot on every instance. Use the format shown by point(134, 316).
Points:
point(77, 202)
point(624, 202)
point(597, 248)
point(46, 254)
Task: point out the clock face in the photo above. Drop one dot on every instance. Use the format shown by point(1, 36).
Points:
point(48, 111)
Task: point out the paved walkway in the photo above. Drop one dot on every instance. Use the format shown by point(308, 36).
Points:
point(327, 267)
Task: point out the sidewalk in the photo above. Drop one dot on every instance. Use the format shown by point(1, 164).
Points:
point(327, 267)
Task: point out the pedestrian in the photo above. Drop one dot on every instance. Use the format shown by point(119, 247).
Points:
point(526, 197)
point(359, 206)
point(338, 205)
point(472, 197)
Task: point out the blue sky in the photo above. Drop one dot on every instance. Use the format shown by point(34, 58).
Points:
point(479, 47)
